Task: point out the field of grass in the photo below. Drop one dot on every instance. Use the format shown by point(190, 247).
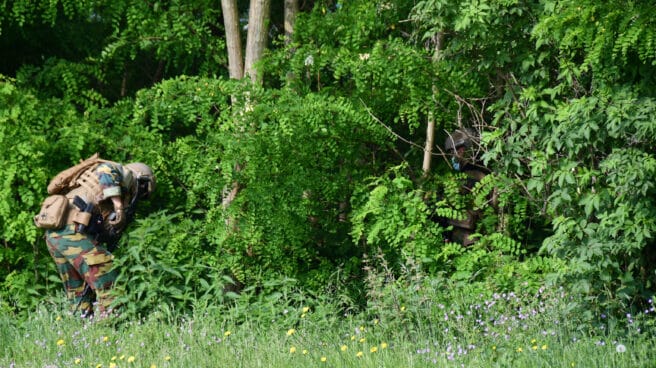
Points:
point(398, 329)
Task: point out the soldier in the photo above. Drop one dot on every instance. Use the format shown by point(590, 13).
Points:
point(98, 200)
point(460, 145)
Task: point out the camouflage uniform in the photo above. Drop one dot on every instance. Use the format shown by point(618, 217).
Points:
point(459, 145)
point(83, 261)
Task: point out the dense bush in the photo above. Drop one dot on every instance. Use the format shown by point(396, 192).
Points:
point(323, 159)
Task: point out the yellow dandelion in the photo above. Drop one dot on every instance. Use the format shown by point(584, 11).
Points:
point(78, 360)
point(153, 366)
point(383, 345)
point(519, 350)
point(362, 340)
point(131, 359)
point(544, 347)
point(227, 333)
point(352, 337)
point(112, 365)
point(305, 352)
point(121, 357)
point(303, 315)
point(292, 350)
point(343, 348)
point(105, 338)
point(98, 365)
point(403, 308)
point(533, 341)
point(373, 349)
point(494, 347)
point(60, 342)
point(359, 354)
point(323, 359)
point(534, 347)
point(290, 331)
point(306, 309)
point(58, 318)
point(113, 358)
point(376, 321)
point(167, 358)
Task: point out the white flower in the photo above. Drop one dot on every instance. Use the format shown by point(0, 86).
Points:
point(309, 60)
point(620, 348)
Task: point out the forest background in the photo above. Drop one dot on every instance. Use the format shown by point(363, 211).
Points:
point(317, 161)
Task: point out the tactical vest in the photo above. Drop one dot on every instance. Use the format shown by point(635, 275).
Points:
point(81, 180)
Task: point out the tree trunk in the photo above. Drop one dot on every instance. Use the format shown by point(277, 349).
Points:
point(291, 9)
point(258, 19)
point(430, 129)
point(233, 38)
point(428, 149)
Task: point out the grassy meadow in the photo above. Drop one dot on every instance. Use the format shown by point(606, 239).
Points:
point(400, 327)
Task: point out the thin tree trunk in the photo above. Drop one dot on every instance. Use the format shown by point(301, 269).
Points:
point(428, 149)
point(258, 19)
point(233, 38)
point(291, 9)
point(430, 129)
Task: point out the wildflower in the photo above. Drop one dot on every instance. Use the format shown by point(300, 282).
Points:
point(362, 340)
point(620, 348)
point(290, 331)
point(113, 358)
point(359, 354)
point(494, 347)
point(533, 341)
point(534, 347)
point(343, 348)
point(403, 308)
point(383, 345)
point(131, 359)
point(519, 350)
point(305, 352)
point(227, 333)
point(323, 359)
point(60, 342)
point(303, 315)
point(58, 318)
point(105, 338)
point(167, 358)
point(306, 309)
point(376, 321)
point(292, 350)
point(153, 366)
point(112, 365)
point(78, 360)
point(544, 347)
point(121, 357)
point(352, 337)
point(98, 365)
point(373, 349)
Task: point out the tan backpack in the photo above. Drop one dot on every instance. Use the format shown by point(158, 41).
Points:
point(67, 178)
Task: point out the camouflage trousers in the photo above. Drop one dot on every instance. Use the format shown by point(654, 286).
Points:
point(84, 266)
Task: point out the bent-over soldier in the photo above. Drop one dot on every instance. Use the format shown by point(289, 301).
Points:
point(89, 207)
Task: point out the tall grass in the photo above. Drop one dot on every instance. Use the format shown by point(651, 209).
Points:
point(412, 321)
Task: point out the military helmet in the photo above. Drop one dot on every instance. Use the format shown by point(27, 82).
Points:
point(144, 177)
point(459, 138)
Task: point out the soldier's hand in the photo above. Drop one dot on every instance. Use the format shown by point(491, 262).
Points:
point(116, 218)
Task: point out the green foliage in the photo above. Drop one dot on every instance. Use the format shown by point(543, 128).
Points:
point(324, 157)
point(583, 139)
point(390, 215)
